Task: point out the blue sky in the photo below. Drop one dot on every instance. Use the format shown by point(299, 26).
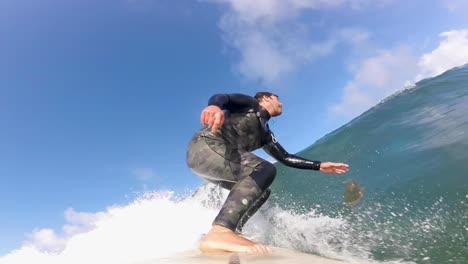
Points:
point(98, 99)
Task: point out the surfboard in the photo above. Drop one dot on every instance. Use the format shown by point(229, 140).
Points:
point(279, 255)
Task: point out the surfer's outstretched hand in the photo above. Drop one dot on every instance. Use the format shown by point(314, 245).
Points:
point(213, 117)
point(333, 167)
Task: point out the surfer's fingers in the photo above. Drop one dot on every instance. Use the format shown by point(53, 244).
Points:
point(208, 114)
point(202, 117)
point(265, 249)
point(217, 122)
point(256, 249)
point(205, 117)
point(211, 119)
point(342, 165)
point(334, 170)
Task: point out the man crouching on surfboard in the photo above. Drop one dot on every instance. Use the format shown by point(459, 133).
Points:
point(235, 125)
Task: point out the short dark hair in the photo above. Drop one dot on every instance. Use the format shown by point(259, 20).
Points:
point(259, 96)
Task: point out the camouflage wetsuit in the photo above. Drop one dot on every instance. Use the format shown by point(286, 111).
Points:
point(224, 158)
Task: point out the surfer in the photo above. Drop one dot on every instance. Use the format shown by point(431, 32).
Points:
point(220, 152)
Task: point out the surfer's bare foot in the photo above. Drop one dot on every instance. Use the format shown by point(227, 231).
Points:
point(220, 239)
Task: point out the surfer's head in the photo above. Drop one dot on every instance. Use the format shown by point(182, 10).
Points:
point(270, 102)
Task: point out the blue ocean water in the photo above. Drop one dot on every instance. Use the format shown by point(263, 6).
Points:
point(410, 152)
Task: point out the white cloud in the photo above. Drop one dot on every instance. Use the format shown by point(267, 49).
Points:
point(374, 79)
point(270, 39)
point(144, 174)
point(281, 9)
point(380, 76)
point(451, 52)
point(276, 9)
point(77, 222)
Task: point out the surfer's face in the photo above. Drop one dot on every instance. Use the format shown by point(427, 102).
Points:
point(276, 105)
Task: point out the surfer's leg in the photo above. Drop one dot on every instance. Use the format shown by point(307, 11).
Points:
point(205, 160)
point(248, 194)
point(240, 202)
point(238, 172)
point(252, 210)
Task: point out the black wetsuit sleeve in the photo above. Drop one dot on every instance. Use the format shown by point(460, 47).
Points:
point(233, 102)
point(273, 148)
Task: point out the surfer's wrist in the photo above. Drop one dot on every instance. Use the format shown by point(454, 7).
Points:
point(317, 165)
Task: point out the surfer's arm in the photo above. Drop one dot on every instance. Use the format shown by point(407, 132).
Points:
point(274, 149)
point(213, 115)
point(233, 102)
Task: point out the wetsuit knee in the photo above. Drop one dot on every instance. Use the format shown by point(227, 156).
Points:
point(264, 174)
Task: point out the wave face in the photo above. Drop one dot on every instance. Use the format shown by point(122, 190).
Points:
point(410, 152)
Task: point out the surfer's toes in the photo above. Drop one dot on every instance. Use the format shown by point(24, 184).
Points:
point(258, 249)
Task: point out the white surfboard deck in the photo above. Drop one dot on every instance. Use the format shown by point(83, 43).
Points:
point(279, 256)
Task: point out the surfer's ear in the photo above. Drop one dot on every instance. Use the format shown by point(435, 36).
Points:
point(268, 98)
